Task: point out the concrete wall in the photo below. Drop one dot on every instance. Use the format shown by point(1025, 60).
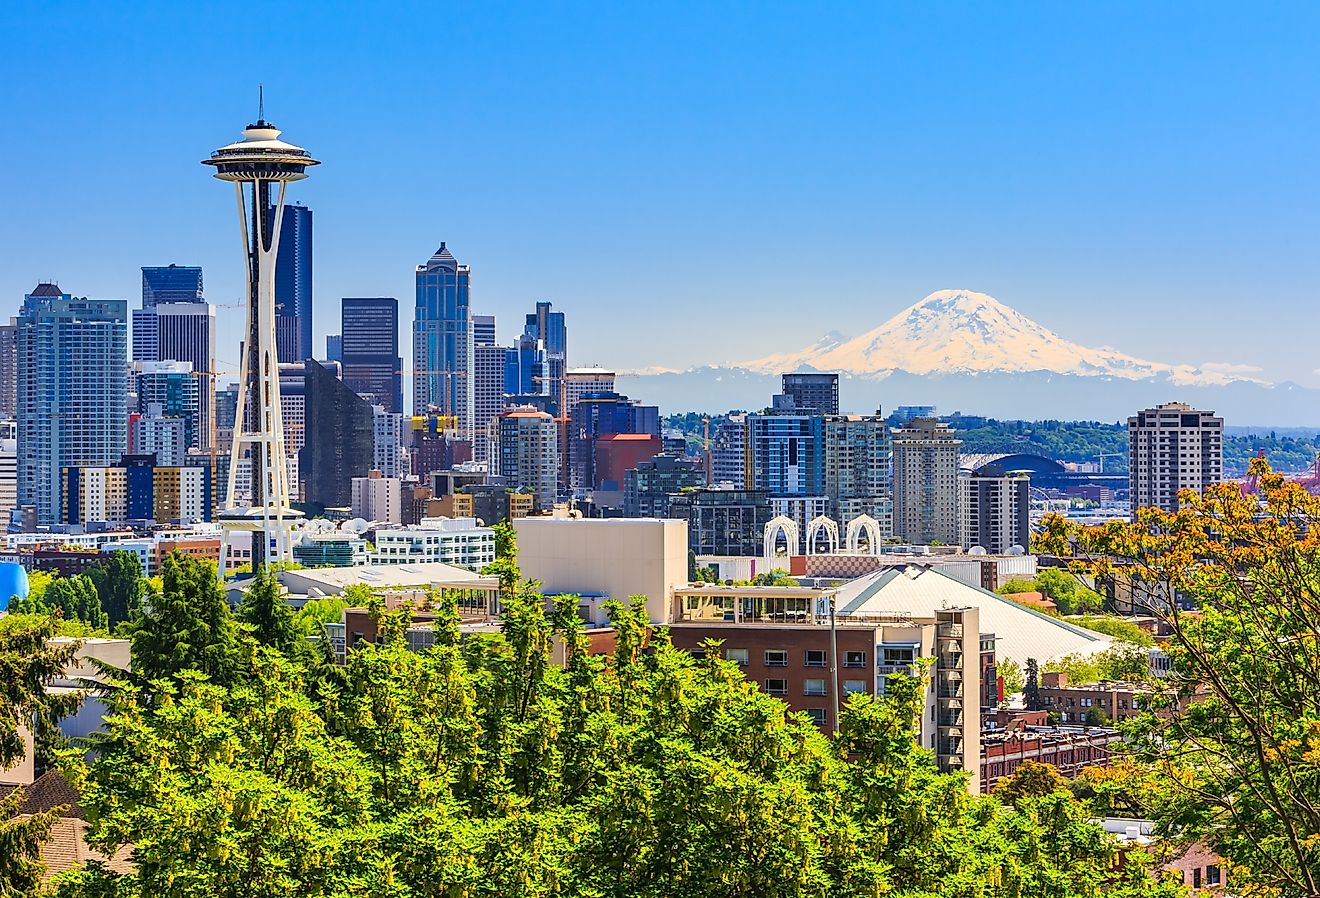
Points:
point(613, 557)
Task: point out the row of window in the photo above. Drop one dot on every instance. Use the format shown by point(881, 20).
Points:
point(813, 687)
point(811, 658)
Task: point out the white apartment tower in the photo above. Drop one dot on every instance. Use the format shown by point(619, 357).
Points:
point(1173, 447)
point(926, 483)
point(994, 512)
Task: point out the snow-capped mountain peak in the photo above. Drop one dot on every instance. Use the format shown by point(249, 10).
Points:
point(965, 332)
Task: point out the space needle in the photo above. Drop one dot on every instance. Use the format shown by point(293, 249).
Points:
point(260, 166)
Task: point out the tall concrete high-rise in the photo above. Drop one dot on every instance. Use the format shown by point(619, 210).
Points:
point(369, 330)
point(728, 464)
point(9, 370)
point(293, 285)
point(72, 391)
point(1173, 447)
point(260, 166)
point(8, 470)
point(527, 453)
point(442, 341)
point(488, 393)
point(858, 453)
point(813, 392)
point(926, 482)
point(171, 283)
point(994, 512)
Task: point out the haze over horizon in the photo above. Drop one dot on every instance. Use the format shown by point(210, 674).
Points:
point(1133, 177)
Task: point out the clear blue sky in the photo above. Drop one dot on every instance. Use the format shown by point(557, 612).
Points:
point(702, 182)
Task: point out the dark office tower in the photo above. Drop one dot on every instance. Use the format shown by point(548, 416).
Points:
point(171, 283)
point(293, 286)
point(9, 370)
point(334, 347)
point(817, 393)
point(483, 330)
point(339, 438)
point(548, 327)
point(370, 350)
point(442, 341)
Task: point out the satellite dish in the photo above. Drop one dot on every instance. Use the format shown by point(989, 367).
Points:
point(357, 526)
point(1017, 550)
point(977, 550)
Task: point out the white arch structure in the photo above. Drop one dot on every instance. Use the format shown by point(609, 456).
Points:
point(856, 526)
point(831, 535)
point(781, 524)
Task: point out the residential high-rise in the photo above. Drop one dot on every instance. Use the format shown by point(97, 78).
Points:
point(818, 393)
point(339, 443)
point(1173, 447)
point(488, 362)
point(372, 366)
point(926, 483)
point(260, 166)
point(171, 284)
point(161, 435)
point(723, 522)
point(72, 391)
point(8, 470)
point(728, 462)
point(293, 285)
point(994, 512)
point(9, 370)
point(483, 330)
point(858, 454)
point(442, 340)
point(389, 455)
point(378, 498)
point(579, 382)
point(784, 454)
point(549, 329)
point(172, 389)
point(528, 453)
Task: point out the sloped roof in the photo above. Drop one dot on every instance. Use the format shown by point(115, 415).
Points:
point(921, 590)
point(47, 290)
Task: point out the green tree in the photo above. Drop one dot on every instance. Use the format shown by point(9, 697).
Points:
point(186, 627)
point(1011, 672)
point(775, 577)
point(1117, 627)
point(72, 598)
point(315, 613)
point(1234, 728)
point(1031, 686)
point(1017, 585)
point(1032, 779)
point(266, 612)
point(505, 565)
point(119, 585)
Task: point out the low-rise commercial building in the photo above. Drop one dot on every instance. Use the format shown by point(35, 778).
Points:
point(1070, 749)
point(460, 542)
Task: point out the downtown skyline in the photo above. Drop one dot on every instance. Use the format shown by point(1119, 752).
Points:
point(1162, 194)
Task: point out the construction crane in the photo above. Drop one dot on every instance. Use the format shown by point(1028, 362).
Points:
point(1103, 455)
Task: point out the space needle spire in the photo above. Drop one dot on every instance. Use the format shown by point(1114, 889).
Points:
point(260, 166)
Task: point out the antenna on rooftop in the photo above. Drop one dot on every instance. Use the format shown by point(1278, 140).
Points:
point(261, 102)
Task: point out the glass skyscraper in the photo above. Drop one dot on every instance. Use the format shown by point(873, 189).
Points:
point(293, 286)
point(369, 350)
point(171, 283)
point(548, 327)
point(442, 340)
point(72, 391)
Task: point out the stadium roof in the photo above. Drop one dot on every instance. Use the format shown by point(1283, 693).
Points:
point(997, 464)
point(921, 590)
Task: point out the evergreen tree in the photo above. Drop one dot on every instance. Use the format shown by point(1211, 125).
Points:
point(185, 627)
point(272, 620)
point(120, 585)
point(1031, 690)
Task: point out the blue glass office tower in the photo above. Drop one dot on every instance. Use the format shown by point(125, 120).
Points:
point(72, 391)
point(369, 349)
point(293, 286)
point(442, 340)
point(784, 454)
point(547, 327)
point(171, 283)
